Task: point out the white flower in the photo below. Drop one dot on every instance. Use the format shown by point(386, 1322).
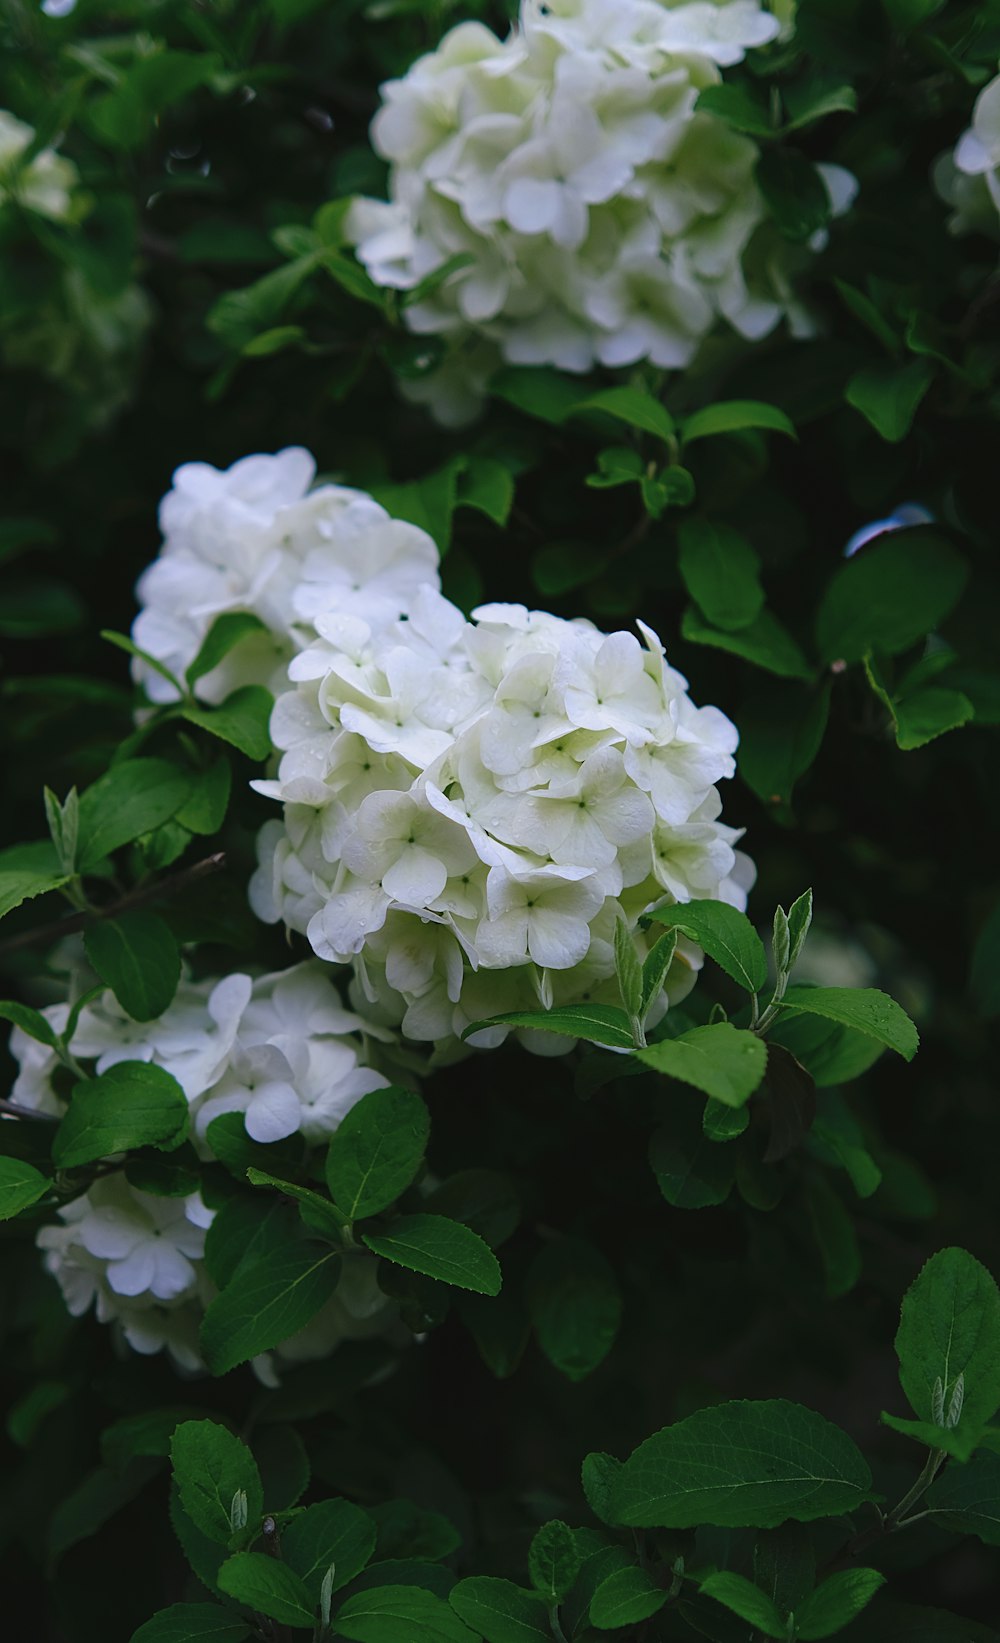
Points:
point(603, 219)
point(969, 177)
point(45, 184)
point(256, 538)
point(520, 781)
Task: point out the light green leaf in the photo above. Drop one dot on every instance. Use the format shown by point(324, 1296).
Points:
point(640, 410)
point(596, 1023)
point(960, 1443)
point(400, 1614)
point(888, 395)
point(133, 1104)
point(30, 1021)
point(210, 1466)
point(575, 1305)
point(726, 935)
point(193, 1623)
point(864, 1009)
point(764, 642)
point(721, 1060)
point(499, 1611)
point(930, 713)
point(137, 956)
point(334, 1532)
point(266, 1301)
point(20, 1185)
point(733, 416)
point(27, 871)
point(655, 968)
point(949, 1327)
point(721, 573)
point(890, 595)
point(966, 1499)
point(133, 798)
point(440, 1249)
point(740, 1595)
point(242, 720)
point(376, 1150)
point(224, 634)
point(269, 1587)
point(625, 1598)
point(628, 969)
point(835, 1603)
point(741, 1465)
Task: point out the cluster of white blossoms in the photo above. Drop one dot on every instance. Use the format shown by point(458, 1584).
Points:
point(968, 179)
point(470, 806)
point(256, 537)
point(45, 184)
point(280, 1049)
point(601, 217)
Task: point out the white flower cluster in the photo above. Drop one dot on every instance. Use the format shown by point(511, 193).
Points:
point(601, 217)
point(255, 537)
point(470, 806)
point(282, 1051)
point(45, 184)
point(968, 179)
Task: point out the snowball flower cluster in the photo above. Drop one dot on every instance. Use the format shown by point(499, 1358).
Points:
point(45, 183)
point(470, 807)
point(257, 537)
point(601, 217)
point(280, 1049)
point(969, 178)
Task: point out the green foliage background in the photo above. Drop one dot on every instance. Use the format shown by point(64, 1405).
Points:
point(209, 136)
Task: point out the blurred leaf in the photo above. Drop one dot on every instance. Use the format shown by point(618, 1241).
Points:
point(575, 1305)
point(888, 395)
point(764, 642)
point(721, 573)
point(890, 595)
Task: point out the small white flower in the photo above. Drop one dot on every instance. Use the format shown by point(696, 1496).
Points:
point(969, 177)
point(45, 184)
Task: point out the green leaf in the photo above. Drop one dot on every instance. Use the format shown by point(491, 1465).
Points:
point(835, 1603)
point(406, 1530)
point(499, 1611)
point(741, 1465)
point(655, 968)
point(204, 809)
point(734, 416)
point(147, 1433)
point(133, 1104)
point(133, 798)
point(742, 107)
point(139, 959)
point(799, 920)
point(192, 1622)
point(226, 632)
point(27, 871)
point(960, 1443)
point(740, 1595)
point(888, 395)
point(949, 1330)
point(640, 410)
point(29, 1021)
point(834, 1231)
point(334, 1532)
point(322, 1216)
point(865, 310)
point(830, 1054)
point(429, 502)
point(599, 1474)
point(20, 1185)
point(781, 732)
point(377, 1150)
point(500, 1327)
point(864, 1009)
point(554, 1560)
point(400, 1614)
point(625, 1598)
point(764, 642)
point(488, 486)
point(726, 936)
point(692, 1171)
point(721, 1060)
point(482, 1199)
point(721, 573)
point(721, 1123)
point(812, 99)
point(210, 1467)
point(929, 713)
point(984, 975)
point(540, 391)
point(574, 1304)
point(966, 1499)
point(266, 1301)
point(596, 1023)
point(794, 191)
point(440, 1249)
point(628, 969)
point(239, 316)
point(346, 272)
point(242, 720)
point(887, 597)
point(436, 278)
point(269, 1587)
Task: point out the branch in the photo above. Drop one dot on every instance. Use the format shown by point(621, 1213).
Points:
point(141, 897)
point(10, 1109)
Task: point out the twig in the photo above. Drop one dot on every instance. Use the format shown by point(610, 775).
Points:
point(11, 1110)
point(141, 897)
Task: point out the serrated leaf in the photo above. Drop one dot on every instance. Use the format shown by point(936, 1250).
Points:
point(266, 1302)
point(193, 1623)
point(949, 1327)
point(376, 1150)
point(740, 1595)
point(27, 871)
point(742, 1465)
point(835, 1603)
point(722, 1060)
point(726, 935)
point(334, 1532)
point(554, 1560)
point(133, 1104)
point(863, 1009)
point(499, 1611)
point(20, 1186)
point(966, 1499)
point(624, 1598)
point(596, 1023)
point(440, 1249)
point(269, 1587)
point(400, 1614)
point(136, 954)
point(210, 1465)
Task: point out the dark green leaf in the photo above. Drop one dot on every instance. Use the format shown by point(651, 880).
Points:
point(966, 1499)
point(984, 976)
point(734, 416)
point(440, 1249)
point(499, 1611)
point(740, 106)
point(721, 573)
point(488, 486)
point(210, 1467)
point(764, 642)
point(269, 1587)
point(864, 1009)
point(597, 1023)
point(554, 1560)
point(575, 1305)
point(30, 1021)
point(890, 595)
point(692, 1172)
point(740, 1595)
point(888, 395)
point(133, 1104)
point(26, 871)
point(429, 502)
point(400, 1614)
point(949, 1328)
point(139, 959)
point(721, 1060)
point(192, 1622)
point(836, 1602)
point(134, 797)
point(20, 1185)
point(242, 720)
point(334, 1532)
point(781, 732)
point(266, 1301)
point(794, 191)
point(640, 410)
point(376, 1150)
point(726, 935)
point(204, 809)
point(625, 1598)
point(540, 391)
